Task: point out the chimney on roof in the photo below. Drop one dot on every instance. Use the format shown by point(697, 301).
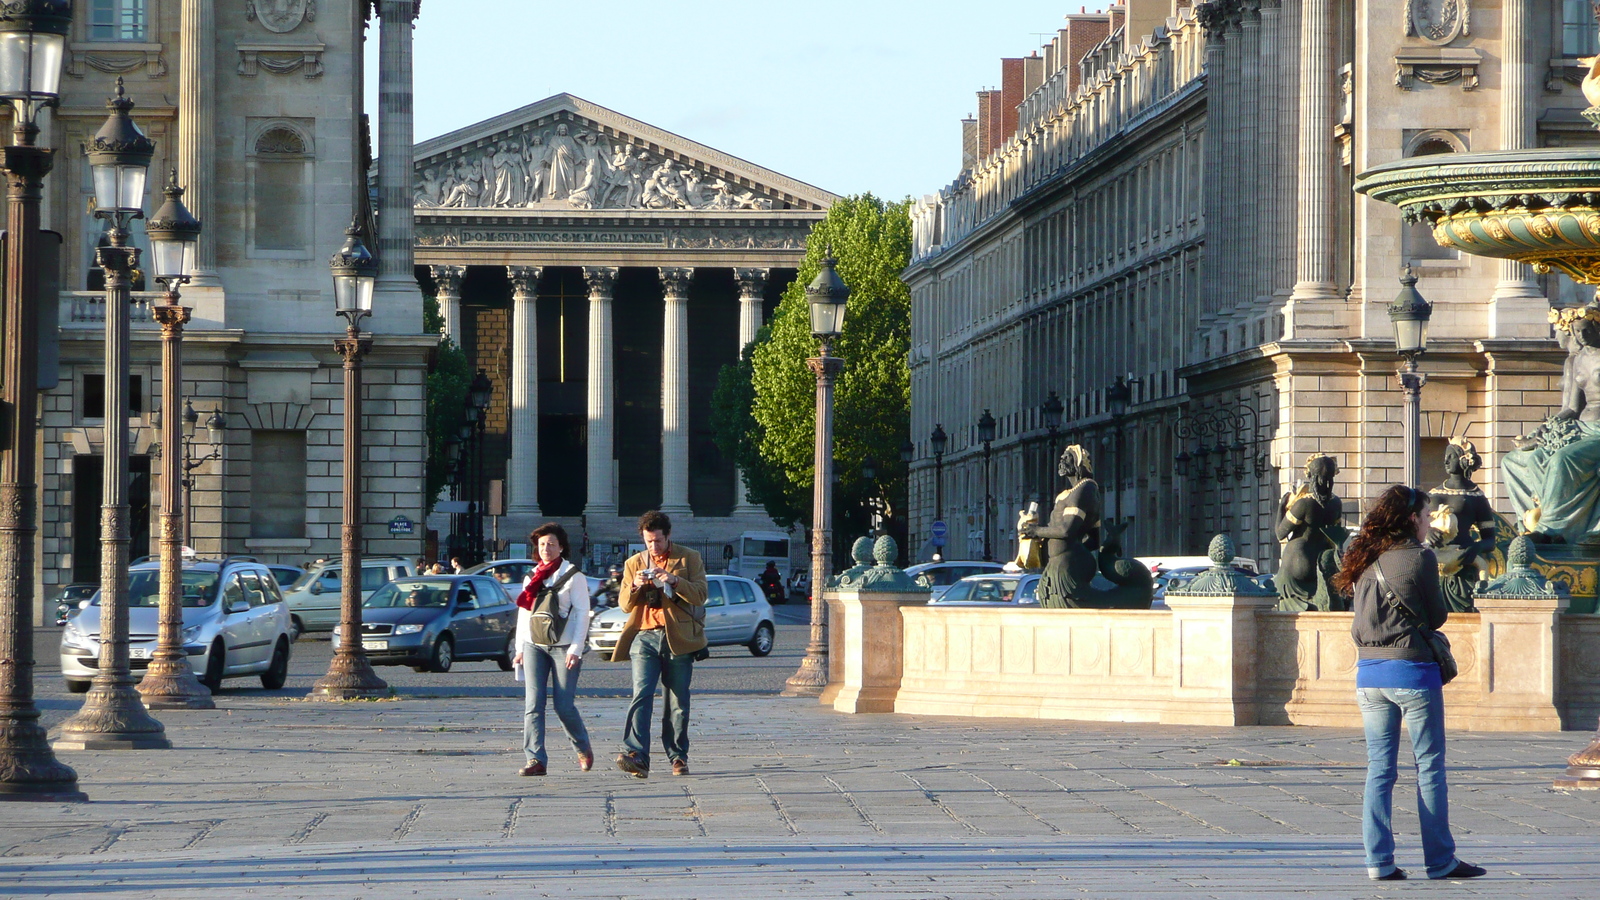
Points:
point(1032, 74)
point(1011, 94)
point(969, 142)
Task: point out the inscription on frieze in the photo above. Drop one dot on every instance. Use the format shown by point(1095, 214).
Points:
point(524, 236)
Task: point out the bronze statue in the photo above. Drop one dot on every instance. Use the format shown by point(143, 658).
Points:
point(1462, 529)
point(1311, 529)
point(1076, 555)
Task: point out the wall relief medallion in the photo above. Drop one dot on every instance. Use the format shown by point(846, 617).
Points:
point(281, 16)
point(1438, 21)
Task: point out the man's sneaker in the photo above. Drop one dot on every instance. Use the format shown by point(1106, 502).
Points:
point(631, 764)
point(680, 767)
point(533, 768)
point(1464, 870)
point(1398, 874)
point(585, 760)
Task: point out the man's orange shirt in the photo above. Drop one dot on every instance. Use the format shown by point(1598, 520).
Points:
point(651, 617)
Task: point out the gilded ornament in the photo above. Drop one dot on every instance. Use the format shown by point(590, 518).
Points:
point(1541, 226)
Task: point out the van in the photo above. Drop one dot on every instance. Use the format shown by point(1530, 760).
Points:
point(314, 598)
point(757, 548)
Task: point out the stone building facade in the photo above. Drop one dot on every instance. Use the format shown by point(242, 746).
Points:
point(1174, 210)
point(258, 107)
point(601, 271)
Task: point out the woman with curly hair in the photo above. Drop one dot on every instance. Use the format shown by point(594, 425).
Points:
point(1387, 567)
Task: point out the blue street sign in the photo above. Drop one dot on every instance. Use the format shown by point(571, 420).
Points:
point(401, 525)
point(940, 531)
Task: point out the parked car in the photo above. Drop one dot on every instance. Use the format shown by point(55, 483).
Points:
point(736, 614)
point(285, 574)
point(1003, 590)
point(70, 596)
point(431, 622)
point(510, 573)
point(314, 598)
point(235, 624)
point(940, 575)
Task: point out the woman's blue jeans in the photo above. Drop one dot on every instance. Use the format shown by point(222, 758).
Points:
point(541, 667)
point(1382, 710)
point(653, 663)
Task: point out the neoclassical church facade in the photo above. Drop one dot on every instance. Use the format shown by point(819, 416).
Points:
point(601, 271)
point(258, 107)
point(1160, 200)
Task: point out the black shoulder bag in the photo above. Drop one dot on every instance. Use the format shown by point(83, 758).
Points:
point(1438, 644)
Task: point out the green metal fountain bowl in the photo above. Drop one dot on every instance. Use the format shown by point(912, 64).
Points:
point(1540, 207)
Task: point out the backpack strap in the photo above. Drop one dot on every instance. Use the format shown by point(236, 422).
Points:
point(1393, 599)
point(561, 583)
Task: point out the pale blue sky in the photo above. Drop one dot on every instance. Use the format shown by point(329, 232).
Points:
point(849, 96)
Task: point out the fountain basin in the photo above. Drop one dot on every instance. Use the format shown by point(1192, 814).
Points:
point(1540, 207)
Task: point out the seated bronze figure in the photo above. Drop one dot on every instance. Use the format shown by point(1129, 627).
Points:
point(1311, 529)
point(1077, 557)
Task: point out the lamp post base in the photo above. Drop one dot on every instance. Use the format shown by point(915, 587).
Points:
point(811, 677)
point(171, 684)
point(1583, 769)
point(32, 773)
point(350, 677)
point(112, 718)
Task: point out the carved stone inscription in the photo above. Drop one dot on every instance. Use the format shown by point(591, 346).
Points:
point(669, 238)
point(567, 168)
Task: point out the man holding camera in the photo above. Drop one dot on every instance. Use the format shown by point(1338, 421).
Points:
point(664, 594)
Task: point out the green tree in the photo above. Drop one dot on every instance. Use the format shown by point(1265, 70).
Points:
point(871, 240)
point(446, 392)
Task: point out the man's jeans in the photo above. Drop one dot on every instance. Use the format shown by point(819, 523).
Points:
point(653, 663)
point(541, 666)
point(1423, 711)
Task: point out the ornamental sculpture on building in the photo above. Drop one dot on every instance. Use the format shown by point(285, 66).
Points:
point(557, 169)
point(1076, 554)
point(1311, 528)
point(1553, 476)
point(1462, 528)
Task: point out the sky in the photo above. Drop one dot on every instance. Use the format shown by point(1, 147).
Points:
point(847, 96)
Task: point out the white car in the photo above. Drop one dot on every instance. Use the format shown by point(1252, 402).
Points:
point(736, 613)
point(939, 576)
point(235, 624)
point(314, 600)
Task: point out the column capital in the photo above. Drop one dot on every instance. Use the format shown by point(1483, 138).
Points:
point(524, 280)
point(448, 278)
point(675, 281)
point(752, 282)
point(399, 11)
point(601, 279)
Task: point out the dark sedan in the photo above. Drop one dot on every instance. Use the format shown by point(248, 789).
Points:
point(431, 622)
point(70, 596)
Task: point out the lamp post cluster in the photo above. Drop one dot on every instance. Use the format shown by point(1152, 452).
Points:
point(1221, 442)
point(464, 453)
point(215, 424)
point(827, 295)
point(1410, 313)
point(986, 429)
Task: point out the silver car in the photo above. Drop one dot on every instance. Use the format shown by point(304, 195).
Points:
point(1002, 590)
point(314, 599)
point(939, 576)
point(736, 614)
point(235, 625)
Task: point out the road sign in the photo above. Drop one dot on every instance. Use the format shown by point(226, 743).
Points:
point(940, 531)
point(401, 525)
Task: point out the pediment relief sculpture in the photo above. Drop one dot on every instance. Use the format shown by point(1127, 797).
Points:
point(572, 166)
point(280, 16)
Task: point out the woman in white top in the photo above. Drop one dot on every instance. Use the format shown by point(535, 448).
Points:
point(563, 659)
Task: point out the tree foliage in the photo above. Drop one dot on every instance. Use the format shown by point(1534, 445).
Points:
point(871, 240)
point(446, 392)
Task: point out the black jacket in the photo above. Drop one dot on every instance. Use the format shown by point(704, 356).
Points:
point(1379, 630)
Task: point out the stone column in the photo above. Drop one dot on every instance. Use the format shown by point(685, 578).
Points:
point(1251, 197)
point(1517, 306)
point(1212, 19)
point(675, 392)
point(197, 128)
point(602, 497)
point(751, 284)
point(1314, 255)
point(397, 300)
point(524, 472)
point(448, 278)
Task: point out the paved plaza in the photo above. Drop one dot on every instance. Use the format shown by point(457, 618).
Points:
point(270, 796)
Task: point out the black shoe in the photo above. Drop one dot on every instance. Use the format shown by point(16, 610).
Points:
point(631, 764)
point(1398, 874)
point(1465, 870)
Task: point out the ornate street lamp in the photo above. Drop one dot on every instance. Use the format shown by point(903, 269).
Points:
point(1410, 314)
point(1051, 411)
point(113, 718)
point(350, 675)
point(479, 394)
point(827, 295)
point(33, 39)
point(938, 442)
point(986, 426)
point(1118, 396)
point(170, 682)
point(214, 430)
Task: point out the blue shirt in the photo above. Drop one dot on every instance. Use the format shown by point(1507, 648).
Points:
point(1398, 673)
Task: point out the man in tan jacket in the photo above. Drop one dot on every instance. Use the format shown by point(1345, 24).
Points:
point(664, 594)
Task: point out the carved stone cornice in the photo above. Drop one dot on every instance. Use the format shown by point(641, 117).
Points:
point(280, 59)
point(116, 59)
point(524, 280)
point(601, 280)
point(752, 282)
point(675, 281)
point(448, 279)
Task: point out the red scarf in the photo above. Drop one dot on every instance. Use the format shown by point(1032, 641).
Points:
point(530, 593)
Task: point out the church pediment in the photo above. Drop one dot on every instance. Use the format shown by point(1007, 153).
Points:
point(565, 153)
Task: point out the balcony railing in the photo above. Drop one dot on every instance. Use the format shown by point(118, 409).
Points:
point(87, 309)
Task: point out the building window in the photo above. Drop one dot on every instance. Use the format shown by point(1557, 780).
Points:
point(118, 20)
point(278, 484)
point(1579, 36)
point(1417, 240)
point(92, 396)
point(282, 207)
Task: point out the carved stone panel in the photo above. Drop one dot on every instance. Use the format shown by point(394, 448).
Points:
point(1438, 21)
point(280, 16)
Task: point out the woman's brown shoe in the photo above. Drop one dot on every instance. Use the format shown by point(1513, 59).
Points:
point(585, 761)
point(533, 768)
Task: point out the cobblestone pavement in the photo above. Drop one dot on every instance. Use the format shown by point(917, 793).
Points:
point(419, 797)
